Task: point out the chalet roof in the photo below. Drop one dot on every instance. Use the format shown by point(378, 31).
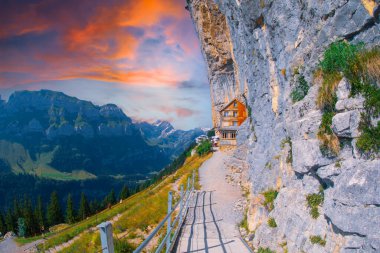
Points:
point(235, 99)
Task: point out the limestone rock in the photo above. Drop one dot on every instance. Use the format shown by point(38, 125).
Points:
point(346, 124)
point(307, 156)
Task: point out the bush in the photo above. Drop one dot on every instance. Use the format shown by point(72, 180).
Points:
point(272, 223)
point(316, 239)
point(313, 201)
point(265, 250)
point(270, 196)
point(361, 67)
point(300, 90)
point(329, 141)
point(204, 148)
point(369, 139)
point(211, 133)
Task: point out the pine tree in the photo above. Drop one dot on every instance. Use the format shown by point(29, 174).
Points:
point(39, 215)
point(94, 206)
point(70, 212)
point(3, 228)
point(54, 213)
point(29, 221)
point(112, 197)
point(9, 221)
point(17, 209)
point(84, 209)
point(124, 192)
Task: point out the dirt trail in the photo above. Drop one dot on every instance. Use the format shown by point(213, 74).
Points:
point(211, 223)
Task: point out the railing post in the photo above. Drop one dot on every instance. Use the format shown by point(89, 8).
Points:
point(188, 184)
point(169, 222)
point(193, 180)
point(181, 205)
point(106, 237)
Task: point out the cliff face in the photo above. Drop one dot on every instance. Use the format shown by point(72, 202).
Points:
point(259, 50)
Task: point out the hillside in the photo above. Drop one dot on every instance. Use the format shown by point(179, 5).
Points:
point(132, 219)
point(308, 72)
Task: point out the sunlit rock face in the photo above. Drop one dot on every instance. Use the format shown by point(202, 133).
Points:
point(257, 50)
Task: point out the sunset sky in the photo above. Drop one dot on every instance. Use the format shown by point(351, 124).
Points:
point(141, 55)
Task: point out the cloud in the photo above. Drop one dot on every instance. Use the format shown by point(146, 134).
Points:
point(133, 42)
point(178, 111)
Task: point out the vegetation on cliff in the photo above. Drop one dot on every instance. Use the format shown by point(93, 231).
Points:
point(361, 66)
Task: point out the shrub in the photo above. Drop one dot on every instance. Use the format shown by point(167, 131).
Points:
point(314, 212)
point(270, 196)
point(272, 223)
point(362, 68)
point(316, 239)
point(204, 148)
point(329, 141)
point(300, 90)
point(265, 250)
point(313, 201)
point(369, 139)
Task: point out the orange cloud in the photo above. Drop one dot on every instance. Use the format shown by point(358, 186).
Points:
point(93, 41)
point(179, 111)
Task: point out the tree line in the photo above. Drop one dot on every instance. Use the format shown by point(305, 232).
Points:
point(26, 219)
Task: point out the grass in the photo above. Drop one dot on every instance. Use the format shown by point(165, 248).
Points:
point(269, 195)
point(26, 240)
point(139, 212)
point(265, 250)
point(361, 67)
point(313, 201)
point(300, 90)
point(329, 141)
point(316, 239)
point(272, 222)
point(287, 140)
point(244, 222)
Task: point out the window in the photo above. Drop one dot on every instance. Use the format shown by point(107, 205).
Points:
point(224, 135)
point(235, 104)
point(226, 114)
point(234, 123)
point(235, 114)
point(233, 135)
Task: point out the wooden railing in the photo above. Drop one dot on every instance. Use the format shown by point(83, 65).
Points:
point(173, 227)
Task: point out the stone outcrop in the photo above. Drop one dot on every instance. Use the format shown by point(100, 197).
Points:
point(257, 50)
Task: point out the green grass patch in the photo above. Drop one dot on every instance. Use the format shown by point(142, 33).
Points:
point(361, 66)
point(300, 90)
point(265, 250)
point(244, 222)
point(272, 222)
point(269, 195)
point(316, 239)
point(314, 201)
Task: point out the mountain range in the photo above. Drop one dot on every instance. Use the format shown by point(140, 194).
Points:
point(52, 135)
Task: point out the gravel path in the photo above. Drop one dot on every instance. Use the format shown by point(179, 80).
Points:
point(10, 246)
point(210, 225)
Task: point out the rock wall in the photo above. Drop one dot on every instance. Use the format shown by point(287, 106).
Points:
point(258, 49)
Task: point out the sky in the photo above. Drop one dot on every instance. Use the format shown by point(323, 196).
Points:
point(142, 55)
